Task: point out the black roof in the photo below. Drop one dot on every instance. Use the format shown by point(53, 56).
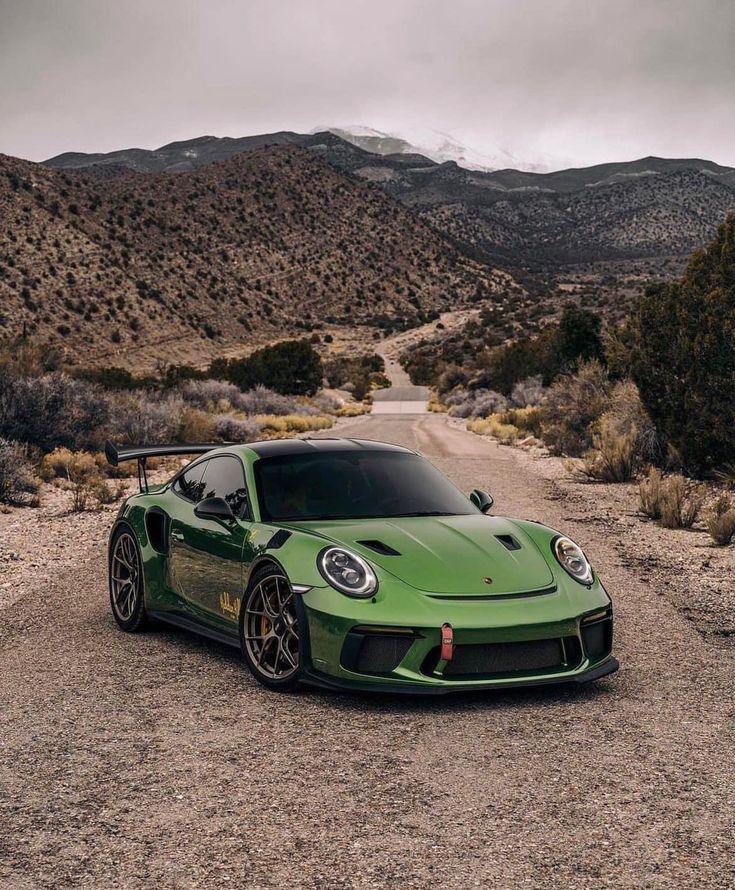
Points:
point(275, 447)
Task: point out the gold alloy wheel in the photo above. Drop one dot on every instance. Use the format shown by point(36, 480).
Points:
point(271, 628)
point(125, 577)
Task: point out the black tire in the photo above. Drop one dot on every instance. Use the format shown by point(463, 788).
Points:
point(126, 581)
point(269, 633)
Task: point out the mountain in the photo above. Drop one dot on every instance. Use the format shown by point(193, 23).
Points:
point(647, 208)
point(133, 269)
point(176, 157)
point(438, 147)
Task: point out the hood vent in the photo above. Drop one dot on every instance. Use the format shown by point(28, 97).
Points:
point(509, 542)
point(379, 547)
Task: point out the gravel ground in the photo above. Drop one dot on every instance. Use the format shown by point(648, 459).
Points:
point(132, 761)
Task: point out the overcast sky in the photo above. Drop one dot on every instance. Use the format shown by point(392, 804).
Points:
point(582, 81)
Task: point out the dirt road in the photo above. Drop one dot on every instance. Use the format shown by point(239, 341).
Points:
point(156, 761)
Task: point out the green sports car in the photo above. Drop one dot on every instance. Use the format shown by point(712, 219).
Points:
point(354, 564)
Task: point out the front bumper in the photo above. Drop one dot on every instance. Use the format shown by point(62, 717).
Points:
point(392, 644)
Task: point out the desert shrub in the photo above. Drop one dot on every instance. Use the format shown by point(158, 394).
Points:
point(421, 368)
point(261, 400)
point(613, 458)
point(721, 520)
point(357, 374)
point(146, 417)
point(24, 358)
point(113, 377)
point(291, 367)
point(578, 337)
point(527, 392)
point(571, 407)
point(18, 483)
point(503, 366)
point(195, 426)
point(726, 475)
point(237, 429)
point(684, 355)
point(83, 474)
point(295, 423)
point(475, 403)
point(53, 410)
point(450, 378)
point(326, 404)
point(210, 395)
point(626, 413)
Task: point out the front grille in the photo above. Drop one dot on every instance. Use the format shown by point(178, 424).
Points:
point(367, 653)
point(499, 659)
point(597, 637)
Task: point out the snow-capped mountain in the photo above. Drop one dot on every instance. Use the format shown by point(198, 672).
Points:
point(438, 146)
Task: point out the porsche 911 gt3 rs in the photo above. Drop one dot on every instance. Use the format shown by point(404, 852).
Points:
point(354, 564)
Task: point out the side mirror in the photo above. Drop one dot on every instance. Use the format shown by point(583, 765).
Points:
point(482, 500)
point(214, 508)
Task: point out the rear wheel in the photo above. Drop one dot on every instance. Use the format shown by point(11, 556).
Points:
point(269, 630)
point(126, 581)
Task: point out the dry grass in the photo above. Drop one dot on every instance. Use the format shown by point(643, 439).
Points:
point(354, 409)
point(505, 433)
point(721, 520)
point(18, 483)
point(527, 420)
point(613, 458)
point(295, 423)
point(82, 473)
point(673, 500)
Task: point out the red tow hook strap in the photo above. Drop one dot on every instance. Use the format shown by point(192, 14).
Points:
point(447, 649)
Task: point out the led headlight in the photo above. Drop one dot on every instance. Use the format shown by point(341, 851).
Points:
point(572, 559)
point(347, 571)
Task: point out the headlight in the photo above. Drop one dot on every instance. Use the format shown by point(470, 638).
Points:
point(572, 560)
point(346, 571)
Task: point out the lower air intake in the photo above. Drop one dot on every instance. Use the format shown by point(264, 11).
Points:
point(597, 637)
point(501, 659)
point(380, 654)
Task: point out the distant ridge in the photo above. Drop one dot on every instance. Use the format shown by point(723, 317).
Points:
point(649, 207)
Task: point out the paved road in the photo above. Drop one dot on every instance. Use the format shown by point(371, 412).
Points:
point(404, 399)
point(155, 760)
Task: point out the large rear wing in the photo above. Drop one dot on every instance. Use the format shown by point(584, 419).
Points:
point(115, 456)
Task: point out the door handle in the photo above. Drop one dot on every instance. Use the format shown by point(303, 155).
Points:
point(177, 536)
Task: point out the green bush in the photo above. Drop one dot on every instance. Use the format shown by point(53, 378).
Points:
point(292, 367)
point(684, 356)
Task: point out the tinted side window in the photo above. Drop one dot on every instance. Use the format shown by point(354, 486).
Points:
point(189, 484)
point(224, 478)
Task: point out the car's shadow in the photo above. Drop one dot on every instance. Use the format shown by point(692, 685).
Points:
point(384, 702)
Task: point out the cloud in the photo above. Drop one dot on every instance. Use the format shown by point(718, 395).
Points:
point(588, 80)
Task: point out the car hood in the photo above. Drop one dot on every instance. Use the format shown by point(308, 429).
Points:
point(451, 555)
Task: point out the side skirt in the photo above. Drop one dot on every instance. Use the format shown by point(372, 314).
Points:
point(196, 627)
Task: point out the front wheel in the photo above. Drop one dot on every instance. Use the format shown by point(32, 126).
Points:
point(126, 581)
point(269, 630)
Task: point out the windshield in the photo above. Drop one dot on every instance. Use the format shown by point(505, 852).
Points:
point(354, 485)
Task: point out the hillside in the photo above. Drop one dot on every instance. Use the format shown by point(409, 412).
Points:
point(133, 269)
point(647, 208)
